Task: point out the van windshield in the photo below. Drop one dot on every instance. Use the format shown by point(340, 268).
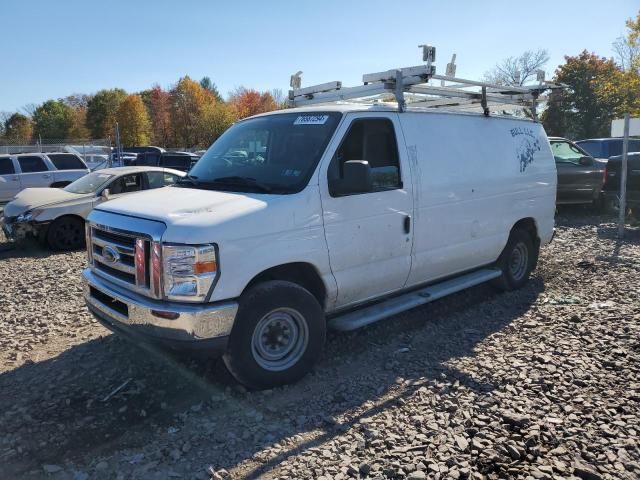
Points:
point(270, 154)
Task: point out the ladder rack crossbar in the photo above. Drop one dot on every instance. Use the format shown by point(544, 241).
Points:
point(411, 86)
point(445, 92)
point(475, 83)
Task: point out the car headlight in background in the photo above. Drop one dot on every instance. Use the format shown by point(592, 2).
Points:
point(188, 271)
point(26, 216)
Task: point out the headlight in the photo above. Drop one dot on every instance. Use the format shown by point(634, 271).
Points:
point(188, 271)
point(25, 217)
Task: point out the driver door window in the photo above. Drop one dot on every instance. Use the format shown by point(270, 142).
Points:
point(564, 152)
point(373, 140)
point(126, 184)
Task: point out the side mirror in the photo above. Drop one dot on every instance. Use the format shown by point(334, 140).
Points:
point(106, 194)
point(586, 161)
point(357, 177)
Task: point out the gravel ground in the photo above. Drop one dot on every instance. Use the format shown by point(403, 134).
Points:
point(541, 383)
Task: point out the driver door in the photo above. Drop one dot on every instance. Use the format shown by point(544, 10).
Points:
point(369, 234)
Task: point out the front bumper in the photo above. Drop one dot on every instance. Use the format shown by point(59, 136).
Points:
point(18, 231)
point(204, 327)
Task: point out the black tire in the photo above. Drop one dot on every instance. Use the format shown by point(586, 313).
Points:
point(283, 312)
point(517, 261)
point(612, 205)
point(66, 233)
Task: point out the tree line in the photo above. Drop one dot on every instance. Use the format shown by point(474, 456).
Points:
point(194, 114)
point(189, 114)
point(598, 89)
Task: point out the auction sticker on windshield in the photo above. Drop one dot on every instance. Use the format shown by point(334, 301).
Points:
point(311, 120)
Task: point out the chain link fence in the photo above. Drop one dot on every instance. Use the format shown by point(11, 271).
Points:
point(79, 146)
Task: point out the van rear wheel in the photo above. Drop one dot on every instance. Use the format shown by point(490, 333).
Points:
point(278, 335)
point(516, 261)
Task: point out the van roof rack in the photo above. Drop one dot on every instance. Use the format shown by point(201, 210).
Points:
point(413, 87)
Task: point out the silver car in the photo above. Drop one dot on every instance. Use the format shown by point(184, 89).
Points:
point(56, 216)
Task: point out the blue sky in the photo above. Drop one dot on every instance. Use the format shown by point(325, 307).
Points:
point(54, 48)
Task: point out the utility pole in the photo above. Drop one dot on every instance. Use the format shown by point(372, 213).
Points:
point(623, 178)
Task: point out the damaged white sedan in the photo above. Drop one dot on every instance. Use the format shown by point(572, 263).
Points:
point(56, 216)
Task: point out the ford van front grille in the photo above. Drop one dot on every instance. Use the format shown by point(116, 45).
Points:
point(122, 257)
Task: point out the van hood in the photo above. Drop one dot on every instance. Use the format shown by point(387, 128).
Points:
point(31, 198)
point(192, 214)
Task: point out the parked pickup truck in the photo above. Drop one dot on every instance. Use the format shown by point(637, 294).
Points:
point(320, 217)
point(580, 176)
point(611, 188)
point(605, 148)
point(27, 170)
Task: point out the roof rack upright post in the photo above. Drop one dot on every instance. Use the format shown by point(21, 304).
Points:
point(483, 102)
point(399, 92)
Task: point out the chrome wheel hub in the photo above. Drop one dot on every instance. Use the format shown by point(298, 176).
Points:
point(518, 261)
point(280, 339)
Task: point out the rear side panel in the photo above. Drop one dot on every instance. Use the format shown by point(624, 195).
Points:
point(474, 178)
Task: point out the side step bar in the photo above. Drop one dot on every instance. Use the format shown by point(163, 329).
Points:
point(379, 311)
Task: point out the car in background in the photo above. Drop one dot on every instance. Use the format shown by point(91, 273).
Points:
point(57, 216)
point(580, 176)
point(605, 148)
point(611, 190)
point(182, 161)
point(96, 161)
point(29, 170)
point(150, 152)
point(123, 159)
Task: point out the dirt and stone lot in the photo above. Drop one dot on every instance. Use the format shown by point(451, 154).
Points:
point(541, 383)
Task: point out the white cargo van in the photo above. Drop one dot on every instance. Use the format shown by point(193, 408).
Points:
point(320, 217)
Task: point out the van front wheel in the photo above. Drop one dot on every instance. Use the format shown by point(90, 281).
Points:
point(278, 335)
point(516, 261)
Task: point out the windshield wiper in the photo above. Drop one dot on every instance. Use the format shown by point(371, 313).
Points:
point(244, 182)
point(188, 179)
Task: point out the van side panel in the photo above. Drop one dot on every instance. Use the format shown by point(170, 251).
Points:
point(474, 178)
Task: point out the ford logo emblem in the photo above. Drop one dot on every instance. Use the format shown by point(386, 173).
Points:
point(110, 254)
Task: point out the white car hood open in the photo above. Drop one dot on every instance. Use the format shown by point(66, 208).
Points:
point(190, 213)
point(31, 198)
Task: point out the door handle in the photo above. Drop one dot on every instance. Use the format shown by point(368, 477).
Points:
point(46, 176)
point(15, 179)
point(407, 224)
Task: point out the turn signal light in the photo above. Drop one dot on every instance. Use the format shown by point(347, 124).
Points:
point(205, 267)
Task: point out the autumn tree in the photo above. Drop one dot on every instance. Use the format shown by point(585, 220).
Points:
point(101, 111)
point(18, 128)
point(518, 70)
point(249, 102)
point(76, 100)
point(627, 48)
point(214, 119)
point(133, 121)
point(208, 85)
point(53, 120)
point(158, 105)
point(585, 109)
point(187, 99)
point(79, 128)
